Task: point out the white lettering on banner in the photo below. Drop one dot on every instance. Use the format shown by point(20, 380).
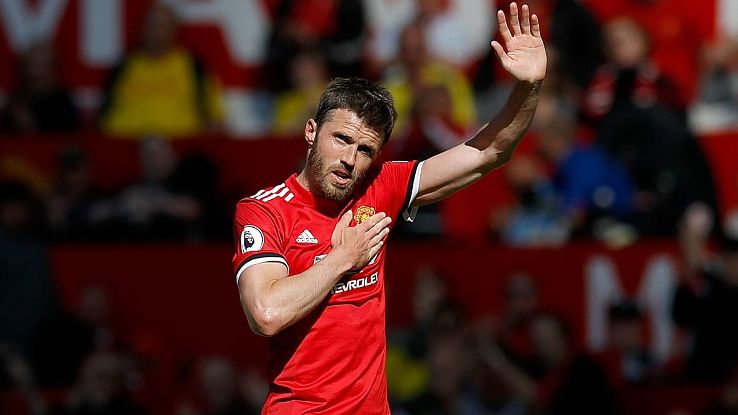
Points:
point(655, 295)
point(245, 24)
point(25, 24)
point(101, 36)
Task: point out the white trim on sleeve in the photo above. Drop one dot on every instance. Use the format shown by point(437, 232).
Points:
point(261, 260)
point(409, 214)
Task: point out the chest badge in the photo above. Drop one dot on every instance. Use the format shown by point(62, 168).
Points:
point(363, 213)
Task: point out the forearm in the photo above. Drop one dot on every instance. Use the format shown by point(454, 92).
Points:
point(284, 301)
point(497, 140)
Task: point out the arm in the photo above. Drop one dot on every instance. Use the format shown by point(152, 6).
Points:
point(460, 166)
point(273, 302)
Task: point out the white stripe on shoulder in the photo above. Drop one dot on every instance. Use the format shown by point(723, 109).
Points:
point(280, 190)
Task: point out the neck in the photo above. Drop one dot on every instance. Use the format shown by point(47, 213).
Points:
point(302, 178)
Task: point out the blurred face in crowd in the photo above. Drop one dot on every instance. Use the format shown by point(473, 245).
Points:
point(341, 152)
point(626, 43)
point(308, 70)
point(626, 335)
point(39, 67)
point(521, 297)
point(412, 45)
point(218, 381)
point(549, 340)
point(429, 294)
point(101, 379)
point(730, 261)
point(157, 159)
point(160, 30)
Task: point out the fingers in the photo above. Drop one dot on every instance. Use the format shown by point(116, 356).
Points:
point(501, 55)
point(535, 27)
point(373, 220)
point(342, 224)
point(522, 23)
point(379, 237)
point(514, 18)
point(345, 220)
point(502, 26)
point(374, 250)
point(525, 24)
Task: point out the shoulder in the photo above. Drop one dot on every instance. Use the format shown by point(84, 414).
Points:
point(271, 201)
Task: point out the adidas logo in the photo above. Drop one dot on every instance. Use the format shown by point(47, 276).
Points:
point(306, 238)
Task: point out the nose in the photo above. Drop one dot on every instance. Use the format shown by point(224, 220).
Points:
point(348, 157)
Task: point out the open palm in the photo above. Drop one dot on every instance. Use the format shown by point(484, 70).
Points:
point(525, 58)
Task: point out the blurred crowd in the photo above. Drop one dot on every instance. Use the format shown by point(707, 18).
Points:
point(612, 153)
point(524, 357)
point(528, 359)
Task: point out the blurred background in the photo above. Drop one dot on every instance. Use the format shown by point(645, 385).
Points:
point(595, 273)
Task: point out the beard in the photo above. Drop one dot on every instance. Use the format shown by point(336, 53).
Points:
point(321, 177)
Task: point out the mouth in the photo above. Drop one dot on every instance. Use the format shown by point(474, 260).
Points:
point(341, 177)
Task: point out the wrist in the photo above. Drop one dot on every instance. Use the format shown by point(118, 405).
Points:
point(530, 85)
point(337, 261)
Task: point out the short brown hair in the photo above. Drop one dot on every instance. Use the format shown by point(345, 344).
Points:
point(371, 102)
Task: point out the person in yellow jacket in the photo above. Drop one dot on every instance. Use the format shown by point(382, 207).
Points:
point(160, 88)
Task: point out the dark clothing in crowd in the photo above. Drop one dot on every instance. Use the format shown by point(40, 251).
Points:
point(50, 112)
point(711, 315)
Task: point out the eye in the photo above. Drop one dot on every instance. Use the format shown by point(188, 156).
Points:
point(342, 138)
point(368, 151)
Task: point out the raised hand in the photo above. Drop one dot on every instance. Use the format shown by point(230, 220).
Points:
point(525, 58)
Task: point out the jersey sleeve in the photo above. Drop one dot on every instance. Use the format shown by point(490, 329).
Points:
point(401, 181)
point(258, 237)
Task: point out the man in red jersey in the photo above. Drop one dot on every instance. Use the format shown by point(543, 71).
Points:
point(309, 262)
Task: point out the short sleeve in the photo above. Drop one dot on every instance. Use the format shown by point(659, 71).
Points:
point(257, 236)
point(401, 180)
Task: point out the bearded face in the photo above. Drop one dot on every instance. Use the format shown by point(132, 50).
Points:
point(340, 155)
point(334, 181)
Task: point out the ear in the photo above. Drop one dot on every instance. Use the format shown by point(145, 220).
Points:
point(311, 131)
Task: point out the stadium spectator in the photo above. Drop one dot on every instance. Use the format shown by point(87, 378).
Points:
point(637, 127)
point(458, 31)
point(706, 300)
point(415, 71)
point(629, 77)
point(450, 363)
point(27, 294)
point(40, 103)
point(68, 337)
point(219, 390)
point(677, 30)
point(335, 28)
point(408, 374)
point(308, 76)
point(717, 106)
point(102, 388)
point(559, 380)
point(568, 381)
point(535, 218)
point(161, 206)
point(727, 402)
point(520, 305)
point(76, 209)
point(19, 393)
point(160, 88)
point(592, 188)
point(626, 359)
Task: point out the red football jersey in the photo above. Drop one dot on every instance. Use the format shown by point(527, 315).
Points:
point(333, 360)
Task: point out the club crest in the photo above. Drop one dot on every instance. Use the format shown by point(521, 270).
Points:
point(363, 213)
